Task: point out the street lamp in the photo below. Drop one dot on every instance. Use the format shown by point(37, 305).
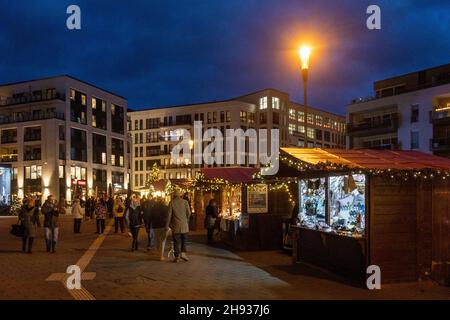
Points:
point(304, 53)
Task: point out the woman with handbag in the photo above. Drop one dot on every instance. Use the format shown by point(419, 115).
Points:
point(29, 219)
point(211, 215)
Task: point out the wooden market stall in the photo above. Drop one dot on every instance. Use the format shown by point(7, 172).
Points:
point(246, 222)
point(371, 207)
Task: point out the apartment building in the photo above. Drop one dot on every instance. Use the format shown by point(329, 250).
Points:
point(63, 136)
point(407, 112)
point(156, 131)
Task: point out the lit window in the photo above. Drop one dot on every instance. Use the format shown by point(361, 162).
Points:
point(94, 103)
point(83, 99)
point(292, 114)
point(275, 103)
point(103, 106)
point(292, 128)
point(121, 161)
point(72, 94)
point(301, 129)
point(113, 160)
point(61, 172)
point(301, 116)
point(319, 120)
point(310, 118)
point(311, 133)
point(94, 121)
point(103, 157)
point(263, 103)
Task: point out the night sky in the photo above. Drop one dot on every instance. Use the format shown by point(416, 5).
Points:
point(162, 53)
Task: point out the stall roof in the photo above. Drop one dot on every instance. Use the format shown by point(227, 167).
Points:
point(230, 174)
point(370, 159)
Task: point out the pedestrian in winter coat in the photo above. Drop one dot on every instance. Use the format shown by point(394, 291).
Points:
point(29, 219)
point(136, 221)
point(119, 213)
point(77, 214)
point(179, 213)
point(211, 215)
point(100, 212)
point(50, 210)
point(147, 206)
point(110, 206)
point(158, 219)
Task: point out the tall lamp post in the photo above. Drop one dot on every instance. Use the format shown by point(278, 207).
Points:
point(304, 53)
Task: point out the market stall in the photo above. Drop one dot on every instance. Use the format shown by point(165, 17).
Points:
point(371, 207)
point(246, 221)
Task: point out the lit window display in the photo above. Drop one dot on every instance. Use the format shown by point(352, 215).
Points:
point(347, 202)
point(312, 202)
point(333, 204)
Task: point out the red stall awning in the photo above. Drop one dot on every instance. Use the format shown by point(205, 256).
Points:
point(230, 174)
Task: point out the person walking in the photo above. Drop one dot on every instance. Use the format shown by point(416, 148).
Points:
point(118, 213)
point(136, 221)
point(110, 206)
point(211, 215)
point(100, 212)
point(147, 207)
point(89, 207)
point(178, 220)
point(158, 219)
point(29, 219)
point(50, 210)
point(77, 214)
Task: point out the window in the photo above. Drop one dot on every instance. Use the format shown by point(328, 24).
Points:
point(301, 116)
point(414, 113)
point(98, 148)
point(98, 113)
point(77, 106)
point(301, 129)
point(117, 119)
point(251, 117)
point(243, 116)
point(263, 118)
point(33, 172)
point(209, 117)
point(263, 103)
point(292, 128)
point(326, 136)
point(78, 146)
point(310, 133)
point(32, 134)
point(275, 103)
point(32, 152)
point(414, 140)
point(310, 118)
point(117, 152)
point(78, 173)
point(319, 120)
point(318, 134)
point(292, 114)
point(214, 117)
point(275, 118)
point(61, 172)
point(228, 116)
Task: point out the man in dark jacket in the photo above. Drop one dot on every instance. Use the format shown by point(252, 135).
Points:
point(110, 205)
point(135, 218)
point(159, 220)
point(147, 205)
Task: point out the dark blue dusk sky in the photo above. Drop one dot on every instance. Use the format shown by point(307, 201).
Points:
point(160, 53)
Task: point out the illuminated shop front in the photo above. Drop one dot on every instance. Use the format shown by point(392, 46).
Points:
point(5, 185)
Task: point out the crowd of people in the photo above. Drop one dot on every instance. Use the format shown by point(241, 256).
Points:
point(133, 213)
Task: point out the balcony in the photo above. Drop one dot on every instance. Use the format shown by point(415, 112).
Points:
point(440, 145)
point(29, 98)
point(441, 117)
point(30, 116)
point(374, 126)
point(8, 158)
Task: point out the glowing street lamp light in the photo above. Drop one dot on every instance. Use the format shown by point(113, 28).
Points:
point(304, 54)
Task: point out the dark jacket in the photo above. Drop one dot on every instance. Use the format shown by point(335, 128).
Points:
point(159, 215)
point(135, 216)
point(51, 215)
point(29, 218)
point(146, 207)
point(110, 205)
point(211, 214)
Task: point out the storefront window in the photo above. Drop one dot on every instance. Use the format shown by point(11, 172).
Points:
point(347, 202)
point(312, 201)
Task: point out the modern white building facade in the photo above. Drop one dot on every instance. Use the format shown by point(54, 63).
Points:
point(63, 136)
point(156, 131)
point(408, 112)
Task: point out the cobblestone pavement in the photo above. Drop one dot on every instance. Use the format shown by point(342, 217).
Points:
point(211, 273)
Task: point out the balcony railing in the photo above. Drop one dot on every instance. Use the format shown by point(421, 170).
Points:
point(8, 158)
point(374, 126)
point(29, 98)
point(25, 117)
point(9, 139)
